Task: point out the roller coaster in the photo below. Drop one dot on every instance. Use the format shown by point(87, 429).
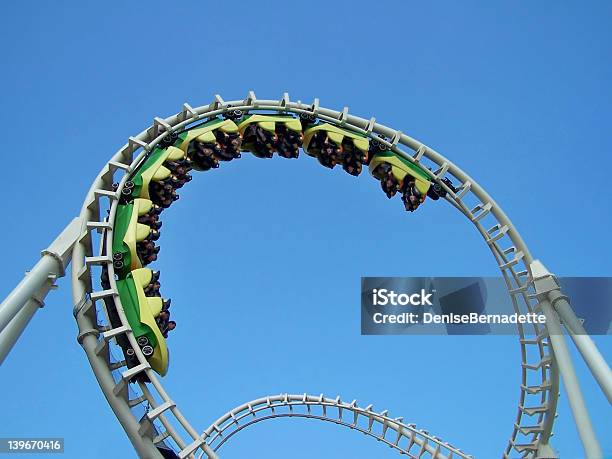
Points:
point(118, 300)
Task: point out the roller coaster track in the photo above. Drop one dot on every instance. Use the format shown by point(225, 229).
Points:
point(539, 384)
point(406, 439)
point(537, 400)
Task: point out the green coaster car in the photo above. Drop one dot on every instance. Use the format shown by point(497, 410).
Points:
point(205, 145)
point(263, 135)
point(151, 170)
point(141, 312)
point(398, 174)
point(333, 145)
point(127, 233)
point(401, 168)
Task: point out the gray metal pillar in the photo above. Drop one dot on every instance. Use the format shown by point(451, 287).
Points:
point(12, 332)
point(572, 387)
point(34, 287)
point(544, 282)
point(591, 355)
point(47, 269)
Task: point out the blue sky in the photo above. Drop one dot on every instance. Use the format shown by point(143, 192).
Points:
point(262, 258)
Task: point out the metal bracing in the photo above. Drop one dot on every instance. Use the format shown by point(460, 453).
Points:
point(539, 383)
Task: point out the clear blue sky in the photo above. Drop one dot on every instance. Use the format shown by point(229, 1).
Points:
point(263, 258)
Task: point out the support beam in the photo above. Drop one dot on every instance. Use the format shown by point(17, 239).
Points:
point(46, 270)
point(12, 332)
point(547, 284)
point(583, 342)
point(543, 281)
point(34, 287)
point(572, 387)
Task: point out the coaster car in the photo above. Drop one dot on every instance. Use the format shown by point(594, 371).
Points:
point(141, 312)
point(398, 174)
point(158, 176)
point(333, 145)
point(128, 234)
point(263, 135)
point(207, 144)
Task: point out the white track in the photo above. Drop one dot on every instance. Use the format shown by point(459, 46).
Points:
point(539, 384)
point(405, 438)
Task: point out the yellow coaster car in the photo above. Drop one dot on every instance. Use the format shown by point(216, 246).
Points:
point(398, 174)
point(333, 145)
point(263, 135)
point(128, 234)
point(207, 144)
point(156, 169)
point(141, 312)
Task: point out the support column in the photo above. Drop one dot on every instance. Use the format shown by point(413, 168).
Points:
point(12, 332)
point(544, 283)
point(46, 270)
point(34, 287)
point(591, 355)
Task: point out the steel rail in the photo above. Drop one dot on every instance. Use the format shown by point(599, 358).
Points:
point(519, 283)
point(267, 408)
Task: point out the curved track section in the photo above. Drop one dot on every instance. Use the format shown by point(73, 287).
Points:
point(404, 438)
point(539, 382)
